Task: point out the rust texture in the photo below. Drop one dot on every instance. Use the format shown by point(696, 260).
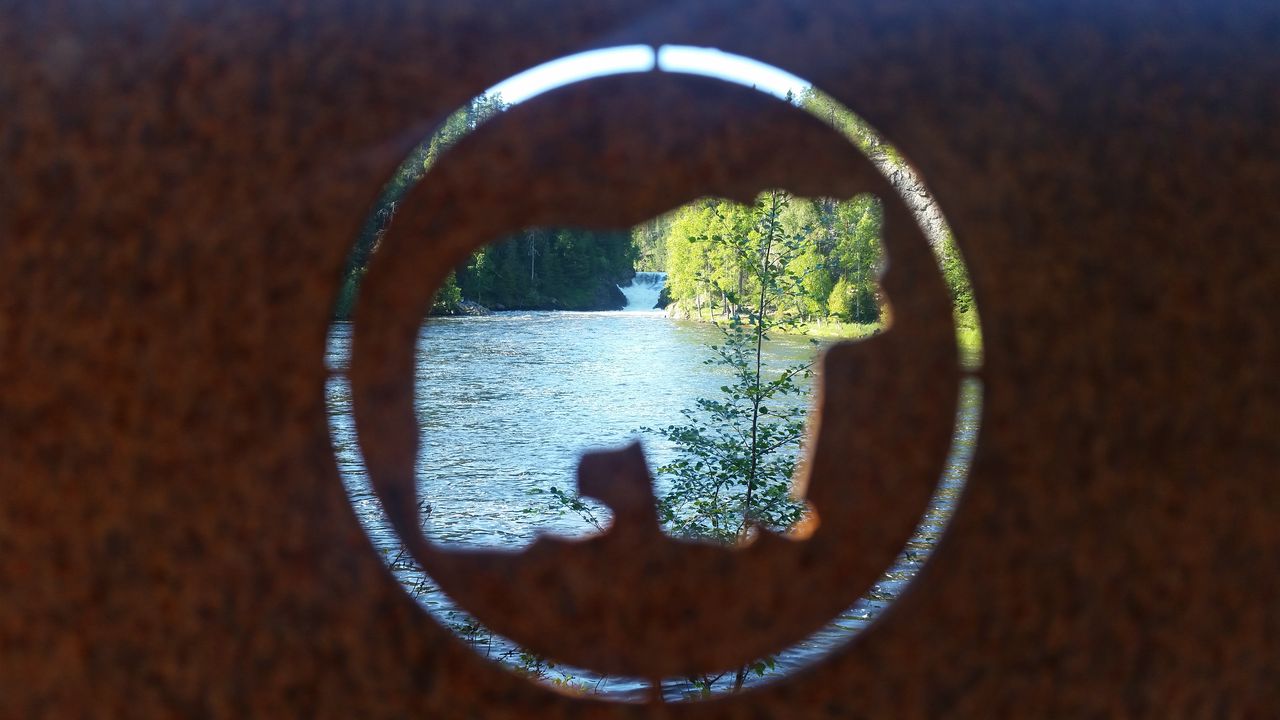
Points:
point(179, 186)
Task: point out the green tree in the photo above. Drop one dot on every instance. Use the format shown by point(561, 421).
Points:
point(550, 268)
point(840, 301)
point(857, 257)
point(735, 453)
point(650, 240)
point(406, 176)
point(957, 278)
point(852, 126)
point(836, 240)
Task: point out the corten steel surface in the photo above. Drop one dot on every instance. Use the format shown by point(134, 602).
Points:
point(178, 189)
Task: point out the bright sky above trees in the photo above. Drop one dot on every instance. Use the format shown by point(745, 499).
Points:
point(642, 58)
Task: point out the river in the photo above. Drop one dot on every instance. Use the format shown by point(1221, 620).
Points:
point(508, 402)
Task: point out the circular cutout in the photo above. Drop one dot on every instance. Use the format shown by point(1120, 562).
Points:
point(632, 600)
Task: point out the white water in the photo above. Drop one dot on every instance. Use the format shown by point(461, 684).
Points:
point(643, 291)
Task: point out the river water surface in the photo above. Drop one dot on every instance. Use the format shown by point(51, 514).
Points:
point(508, 402)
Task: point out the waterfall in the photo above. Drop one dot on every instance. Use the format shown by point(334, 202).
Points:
point(643, 291)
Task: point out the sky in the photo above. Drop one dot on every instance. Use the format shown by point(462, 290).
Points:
point(642, 58)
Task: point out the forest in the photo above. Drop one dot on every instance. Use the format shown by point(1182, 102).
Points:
point(834, 268)
point(538, 269)
point(837, 259)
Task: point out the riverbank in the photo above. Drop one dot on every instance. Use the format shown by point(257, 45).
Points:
point(968, 332)
point(461, 308)
point(600, 296)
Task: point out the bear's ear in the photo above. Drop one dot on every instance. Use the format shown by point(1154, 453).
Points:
point(620, 479)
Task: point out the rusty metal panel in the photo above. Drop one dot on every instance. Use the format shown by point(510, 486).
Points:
point(179, 186)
